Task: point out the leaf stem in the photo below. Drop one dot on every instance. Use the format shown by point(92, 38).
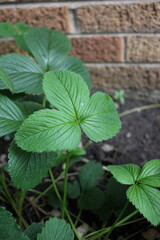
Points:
point(66, 211)
point(137, 109)
point(65, 185)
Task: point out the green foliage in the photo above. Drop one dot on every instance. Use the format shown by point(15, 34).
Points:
point(9, 230)
point(119, 95)
point(62, 130)
point(73, 189)
point(143, 193)
point(5, 80)
point(11, 116)
point(27, 169)
point(90, 175)
point(33, 230)
point(29, 107)
point(56, 229)
point(7, 30)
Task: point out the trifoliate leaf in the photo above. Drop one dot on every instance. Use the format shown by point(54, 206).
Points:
point(47, 46)
point(11, 116)
point(33, 230)
point(27, 169)
point(150, 173)
point(61, 129)
point(56, 229)
point(90, 175)
point(100, 119)
point(147, 200)
point(9, 230)
point(7, 30)
point(23, 73)
point(5, 80)
point(48, 130)
point(67, 91)
point(125, 174)
point(75, 65)
point(28, 108)
point(91, 199)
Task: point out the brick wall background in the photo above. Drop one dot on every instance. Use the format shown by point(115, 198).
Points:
point(118, 40)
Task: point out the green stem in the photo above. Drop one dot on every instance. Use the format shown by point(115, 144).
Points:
point(137, 109)
point(21, 201)
point(78, 218)
point(66, 211)
point(118, 218)
point(65, 186)
point(11, 200)
point(106, 230)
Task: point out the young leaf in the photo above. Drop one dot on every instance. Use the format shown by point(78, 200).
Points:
point(9, 230)
point(150, 173)
point(67, 91)
point(56, 229)
point(28, 108)
point(4, 78)
point(33, 230)
point(146, 199)
point(91, 199)
point(23, 72)
point(90, 175)
point(27, 169)
point(57, 130)
point(100, 119)
point(125, 174)
point(7, 30)
point(47, 46)
point(75, 65)
point(10, 116)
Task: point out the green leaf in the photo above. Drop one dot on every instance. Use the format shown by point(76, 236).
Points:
point(56, 229)
point(10, 116)
point(47, 46)
point(73, 189)
point(22, 30)
point(100, 119)
point(91, 199)
point(33, 230)
point(29, 107)
point(4, 78)
point(150, 173)
point(125, 174)
point(75, 65)
point(57, 130)
point(146, 199)
point(67, 91)
point(7, 30)
point(27, 169)
point(23, 72)
point(90, 175)
point(8, 228)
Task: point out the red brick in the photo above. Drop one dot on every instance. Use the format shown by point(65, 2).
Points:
point(143, 49)
point(52, 17)
point(117, 77)
point(137, 17)
point(97, 49)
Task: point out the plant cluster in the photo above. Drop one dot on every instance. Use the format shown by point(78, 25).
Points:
point(45, 106)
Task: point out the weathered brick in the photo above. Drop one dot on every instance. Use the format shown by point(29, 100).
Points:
point(137, 17)
point(143, 49)
point(117, 77)
point(97, 49)
point(52, 17)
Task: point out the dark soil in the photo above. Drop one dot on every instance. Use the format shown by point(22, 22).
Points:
point(137, 142)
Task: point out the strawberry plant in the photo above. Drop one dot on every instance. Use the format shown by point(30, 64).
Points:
point(47, 132)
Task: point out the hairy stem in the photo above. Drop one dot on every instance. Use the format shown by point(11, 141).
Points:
point(66, 211)
point(138, 109)
point(65, 186)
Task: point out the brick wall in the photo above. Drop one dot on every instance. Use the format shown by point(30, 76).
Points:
point(118, 40)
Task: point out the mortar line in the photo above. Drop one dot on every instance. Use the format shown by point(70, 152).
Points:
point(70, 4)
